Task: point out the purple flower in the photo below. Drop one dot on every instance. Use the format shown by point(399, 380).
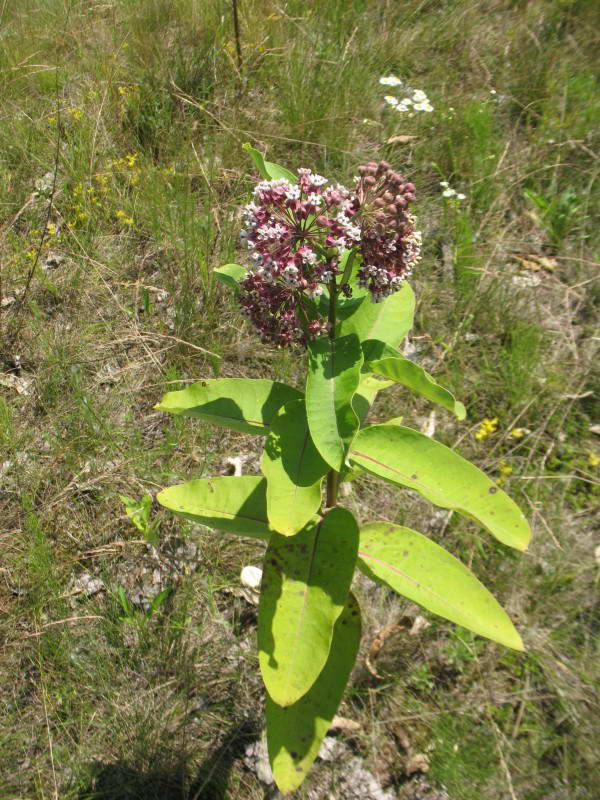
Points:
point(295, 233)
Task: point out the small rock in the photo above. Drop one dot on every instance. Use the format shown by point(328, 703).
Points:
point(417, 763)
point(256, 758)
point(86, 584)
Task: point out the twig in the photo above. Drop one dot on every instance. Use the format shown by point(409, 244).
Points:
point(236, 29)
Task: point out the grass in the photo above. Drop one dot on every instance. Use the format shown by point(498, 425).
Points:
point(128, 119)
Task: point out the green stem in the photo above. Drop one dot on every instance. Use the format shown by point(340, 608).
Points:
point(333, 477)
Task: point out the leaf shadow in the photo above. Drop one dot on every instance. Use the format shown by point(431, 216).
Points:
point(123, 781)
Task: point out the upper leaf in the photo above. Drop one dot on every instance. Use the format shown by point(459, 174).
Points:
point(421, 570)
point(294, 733)
point(366, 393)
point(231, 275)
point(268, 169)
point(384, 360)
point(242, 404)
point(333, 377)
point(233, 504)
point(305, 584)
point(409, 458)
point(293, 469)
point(388, 321)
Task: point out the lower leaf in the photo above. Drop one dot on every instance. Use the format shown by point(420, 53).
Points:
point(232, 504)
point(417, 568)
point(304, 588)
point(295, 733)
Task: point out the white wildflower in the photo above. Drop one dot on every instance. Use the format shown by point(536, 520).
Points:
point(390, 80)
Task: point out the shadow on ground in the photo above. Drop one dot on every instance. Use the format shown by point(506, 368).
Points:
point(121, 781)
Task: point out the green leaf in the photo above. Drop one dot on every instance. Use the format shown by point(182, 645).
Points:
point(365, 394)
point(294, 733)
point(417, 568)
point(232, 504)
point(231, 275)
point(389, 363)
point(388, 321)
point(138, 511)
point(246, 405)
point(406, 457)
point(293, 469)
point(268, 169)
point(333, 377)
point(305, 584)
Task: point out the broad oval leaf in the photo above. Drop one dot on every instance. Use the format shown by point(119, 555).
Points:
point(388, 321)
point(417, 568)
point(246, 405)
point(232, 504)
point(295, 733)
point(333, 377)
point(409, 458)
point(293, 469)
point(268, 170)
point(385, 361)
point(366, 393)
point(304, 588)
point(231, 275)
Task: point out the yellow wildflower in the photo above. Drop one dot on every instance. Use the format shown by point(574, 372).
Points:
point(131, 158)
point(51, 229)
point(517, 433)
point(123, 218)
point(75, 113)
point(486, 427)
point(593, 459)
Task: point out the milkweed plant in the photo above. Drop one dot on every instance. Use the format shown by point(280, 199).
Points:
point(327, 273)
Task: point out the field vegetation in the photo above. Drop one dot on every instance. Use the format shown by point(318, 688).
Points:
point(128, 664)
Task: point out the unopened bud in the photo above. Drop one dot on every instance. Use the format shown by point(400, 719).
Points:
point(379, 202)
point(380, 216)
point(370, 180)
point(410, 187)
point(392, 210)
point(388, 197)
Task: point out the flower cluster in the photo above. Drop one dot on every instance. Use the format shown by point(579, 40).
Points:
point(448, 193)
point(415, 99)
point(486, 427)
point(390, 242)
point(295, 232)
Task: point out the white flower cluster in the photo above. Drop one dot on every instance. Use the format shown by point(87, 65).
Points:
point(390, 80)
point(417, 102)
point(448, 192)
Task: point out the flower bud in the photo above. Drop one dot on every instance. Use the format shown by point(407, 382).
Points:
point(388, 196)
point(370, 181)
point(410, 187)
point(391, 210)
point(379, 202)
point(380, 216)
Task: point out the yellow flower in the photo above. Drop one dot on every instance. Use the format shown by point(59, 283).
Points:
point(131, 158)
point(486, 427)
point(593, 459)
point(123, 218)
point(52, 229)
point(505, 469)
point(517, 433)
point(75, 113)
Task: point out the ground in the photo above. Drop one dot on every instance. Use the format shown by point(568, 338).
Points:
point(123, 179)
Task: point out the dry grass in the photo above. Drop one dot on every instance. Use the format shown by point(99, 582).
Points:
point(145, 106)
